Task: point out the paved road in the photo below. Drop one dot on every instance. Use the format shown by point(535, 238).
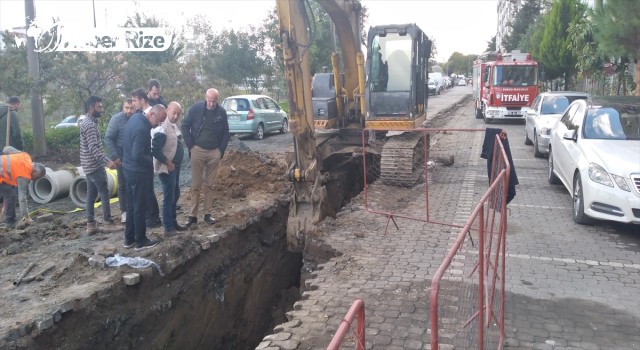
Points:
point(568, 286)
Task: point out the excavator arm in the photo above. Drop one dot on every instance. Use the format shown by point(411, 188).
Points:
point(309, 204)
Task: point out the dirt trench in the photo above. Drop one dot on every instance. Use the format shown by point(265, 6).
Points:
point(224, 287)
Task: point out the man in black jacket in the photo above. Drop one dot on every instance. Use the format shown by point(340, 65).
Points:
point(138, 171)
point(10, 111)
point(206, 134)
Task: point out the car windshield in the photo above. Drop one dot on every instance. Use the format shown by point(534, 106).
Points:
point(608, 124)
point(558, 104)
point(236, 104)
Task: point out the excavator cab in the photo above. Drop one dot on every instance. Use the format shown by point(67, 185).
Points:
point(396, 91)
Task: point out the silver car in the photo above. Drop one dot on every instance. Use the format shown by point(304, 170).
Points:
point(545, 111)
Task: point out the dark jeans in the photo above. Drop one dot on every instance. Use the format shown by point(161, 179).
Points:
point(122, 190)
point(171, 191)
point(97, 184)
point(137, 203)
point(9, 203)
point(153, 213)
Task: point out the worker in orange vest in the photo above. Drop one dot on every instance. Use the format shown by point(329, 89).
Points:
point(16, 170)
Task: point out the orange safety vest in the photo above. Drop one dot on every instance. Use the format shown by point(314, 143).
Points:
point(14, 166)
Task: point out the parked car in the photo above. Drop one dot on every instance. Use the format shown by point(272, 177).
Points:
point(70, 121)
point(595, 153)
point(255, 115)
point(545, 111)
point(462, 82)
point(433, 87)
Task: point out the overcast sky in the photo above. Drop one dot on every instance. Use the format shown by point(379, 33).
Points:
point(455, 25)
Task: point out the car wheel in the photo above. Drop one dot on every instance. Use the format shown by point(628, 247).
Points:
point(578, 203)
point(536, 150)
point(259, 134)
point(527, 140)
point(552, 178)
point(478, 113)
point(285, 126)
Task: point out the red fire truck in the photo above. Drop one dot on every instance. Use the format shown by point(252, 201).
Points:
point(504, 84)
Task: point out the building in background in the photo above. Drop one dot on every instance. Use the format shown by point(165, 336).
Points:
point(507, 10)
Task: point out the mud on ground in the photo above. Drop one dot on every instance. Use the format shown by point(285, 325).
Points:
point(247, 183)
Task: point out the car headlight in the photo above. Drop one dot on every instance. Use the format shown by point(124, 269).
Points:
point(622, 184)
point(545, 131)
point(599, 175)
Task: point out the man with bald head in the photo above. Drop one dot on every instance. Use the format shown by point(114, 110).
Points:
point(138, 171)
point(206, 134)
point(168, 153)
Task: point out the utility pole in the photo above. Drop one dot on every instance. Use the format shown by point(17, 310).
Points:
point(94, 12)
point(37, 115)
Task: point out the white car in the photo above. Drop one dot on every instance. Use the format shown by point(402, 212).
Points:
point(545, 111)
point(595, 153)
point(70, 121)
point(462, 82)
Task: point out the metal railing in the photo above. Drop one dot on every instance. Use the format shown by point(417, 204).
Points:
point(356, 310)
point(467, 291)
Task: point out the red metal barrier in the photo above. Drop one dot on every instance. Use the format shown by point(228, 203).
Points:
point(383, 187)
point(357, 309)
point(455, 320)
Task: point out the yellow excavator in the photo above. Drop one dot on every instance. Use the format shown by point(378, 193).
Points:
point(329, 112)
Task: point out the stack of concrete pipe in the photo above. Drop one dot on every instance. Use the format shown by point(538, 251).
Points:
point(54, 185)
point(78, 192)
point(61, 183)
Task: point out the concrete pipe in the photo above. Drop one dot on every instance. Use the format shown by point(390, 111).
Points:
point(54, 185)
point(79, 188)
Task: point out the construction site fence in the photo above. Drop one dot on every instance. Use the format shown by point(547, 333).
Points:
point(410, 163)
point(356, 311)
point(467, 291)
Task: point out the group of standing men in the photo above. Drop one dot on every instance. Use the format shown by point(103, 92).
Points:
point(146, 139)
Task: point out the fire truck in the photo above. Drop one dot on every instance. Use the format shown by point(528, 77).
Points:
point(504, 85)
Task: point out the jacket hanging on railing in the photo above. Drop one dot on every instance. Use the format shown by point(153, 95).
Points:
point(487, 153)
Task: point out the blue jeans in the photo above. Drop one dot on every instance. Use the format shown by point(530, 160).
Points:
point(170, 192)
point(97, 184)
point(137, 203)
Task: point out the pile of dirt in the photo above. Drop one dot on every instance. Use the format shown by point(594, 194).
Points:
point(246, 184)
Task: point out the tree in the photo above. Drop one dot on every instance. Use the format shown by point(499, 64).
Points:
point(618, 30)
point(460, 63)
point(491, 44)
point(14, 75)
point(172, 53)
point(525, 18)
point(554, 51)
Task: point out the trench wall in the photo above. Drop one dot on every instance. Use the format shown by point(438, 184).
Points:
point(226, 296)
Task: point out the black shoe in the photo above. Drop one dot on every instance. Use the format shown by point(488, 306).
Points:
point(128, 245)
point(170, 232)
point(179, 227)
point(209, 219)
point(191, 221)
point(146, 244)
point(153, 223)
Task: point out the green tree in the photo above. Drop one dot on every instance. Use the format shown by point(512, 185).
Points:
point(524, 19)
point(618, 31)
point(14, 74)
point(554, 50)
point(172, 53)
point(491, 44)
point(460, 63)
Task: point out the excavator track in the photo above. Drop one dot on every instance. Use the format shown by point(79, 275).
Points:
point(402, 160)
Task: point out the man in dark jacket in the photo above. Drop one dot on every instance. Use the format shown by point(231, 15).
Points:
point(113, 138)
point(153, 93)
point(138, 171)
point(10, 111)
point(206, 134)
